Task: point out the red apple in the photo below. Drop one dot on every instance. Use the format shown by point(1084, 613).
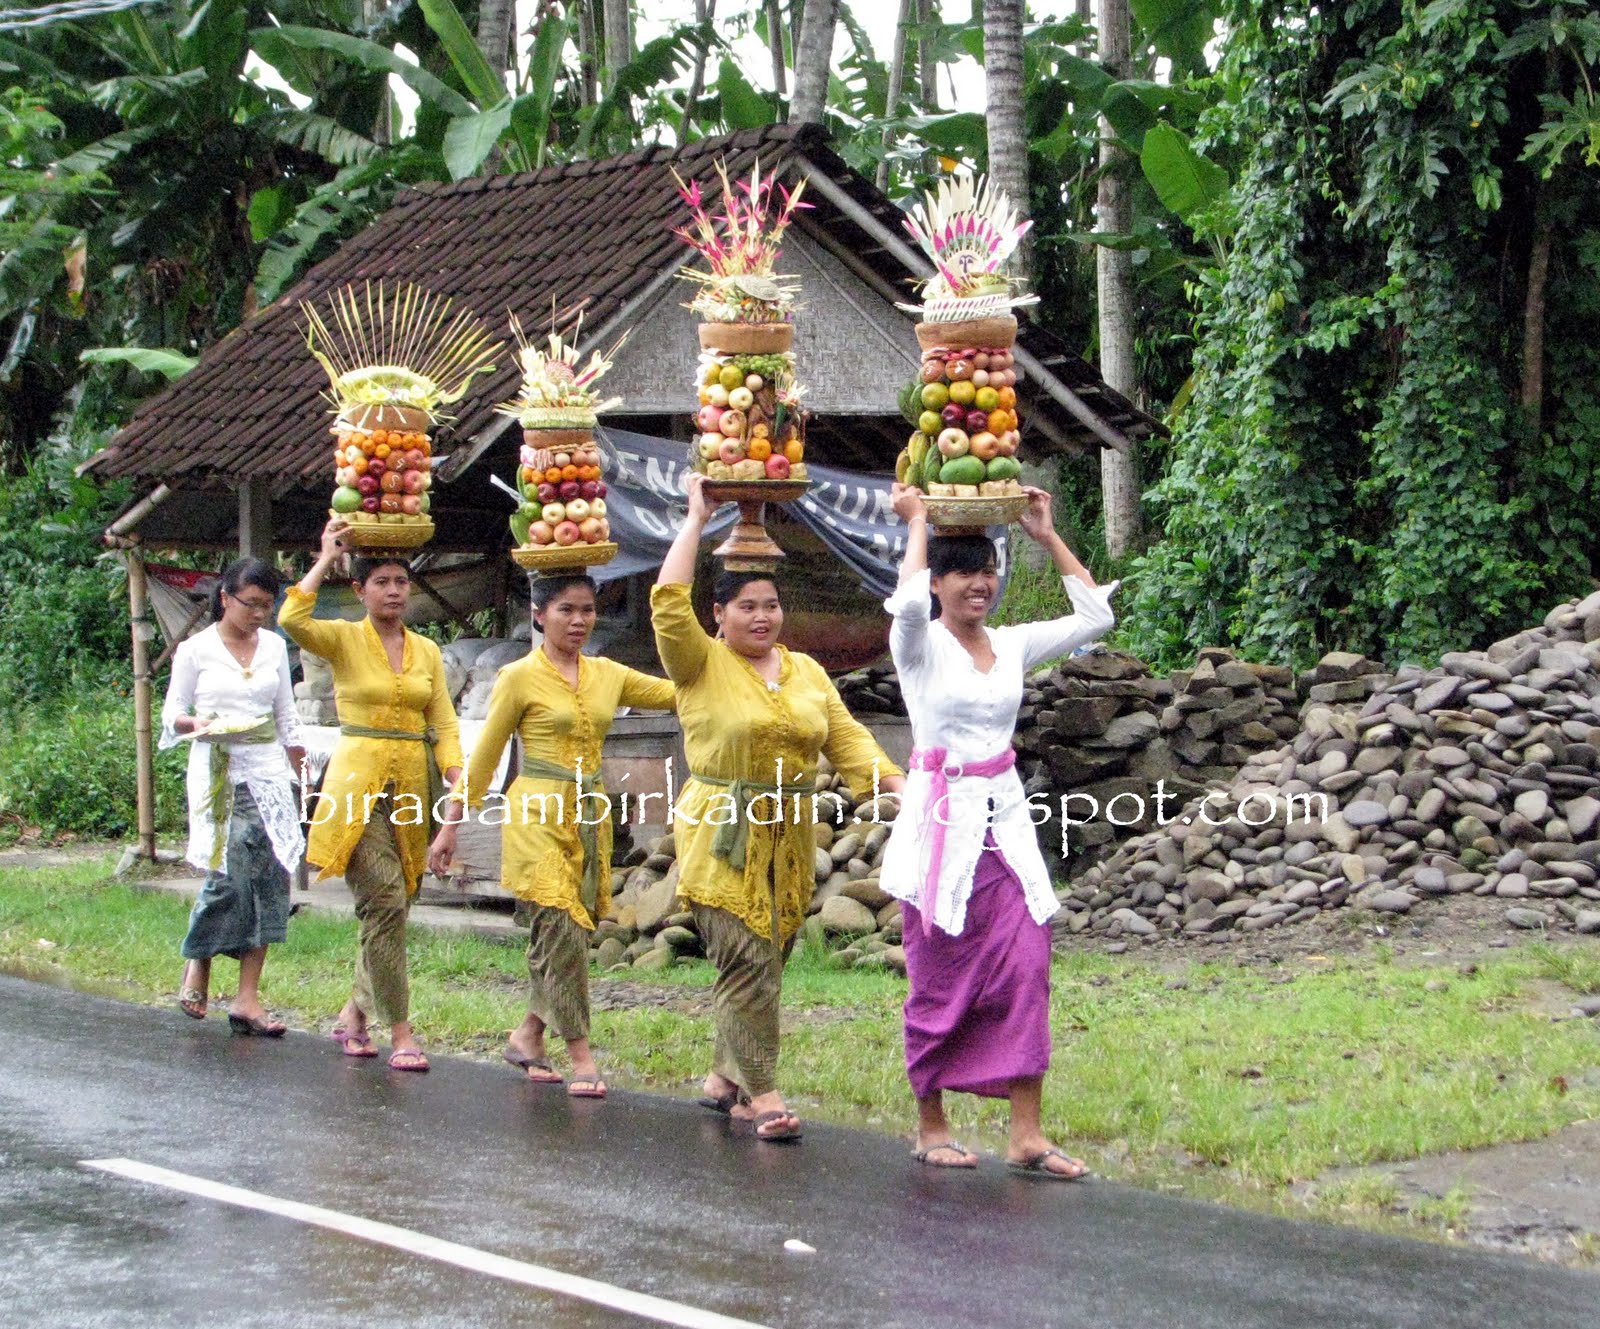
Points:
point(567, 533)
point(777, 467)
point(588, 488)
point(577, 509)
point(977, 421)
point(590, 528)
point(367, 484)
point(731, 451)
point(369, 503)
point(599, 488)
point(415, 461)
point(540, 533)
point(569, 490)
point(410, 504)
point(548, 493)
point(414, 482)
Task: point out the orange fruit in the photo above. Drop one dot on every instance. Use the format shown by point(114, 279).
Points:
point(380, 450)
point(794, 450)
point(552, 475)
point(380, 435)
point(760, 449)
point(999, 421)
point(1008, 398)
point(569, 472)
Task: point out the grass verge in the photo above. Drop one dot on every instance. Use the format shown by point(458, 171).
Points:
point(1220, 1080)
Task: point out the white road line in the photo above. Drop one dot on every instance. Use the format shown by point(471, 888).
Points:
point(416, 1243)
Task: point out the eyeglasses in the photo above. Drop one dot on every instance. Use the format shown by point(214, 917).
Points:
point(254, 606)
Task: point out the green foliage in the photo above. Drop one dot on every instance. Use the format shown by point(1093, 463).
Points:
point(63, 621)
point(1355, 469)
point(68, 768)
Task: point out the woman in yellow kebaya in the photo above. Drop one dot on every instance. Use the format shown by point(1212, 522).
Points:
point(556, 841)
point(756, 717)
point(399, 748)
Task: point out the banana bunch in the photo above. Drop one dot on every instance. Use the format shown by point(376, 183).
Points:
point(910, 465)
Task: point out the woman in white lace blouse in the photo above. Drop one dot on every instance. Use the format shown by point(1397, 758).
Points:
point(244, 825)
point(963, 857)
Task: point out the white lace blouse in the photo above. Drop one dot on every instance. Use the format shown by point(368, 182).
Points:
point(972, 714)
point(208, 681)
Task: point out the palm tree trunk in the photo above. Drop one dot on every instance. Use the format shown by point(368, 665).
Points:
point(704, 12)
point(1008, 131)
point(897, 84)
point(619, 39)
point(813, 58)
point(927, 66)
point(775, 44)
point(588, 51)
point(496, 19)
point(1119, 471)
point(1085, 13)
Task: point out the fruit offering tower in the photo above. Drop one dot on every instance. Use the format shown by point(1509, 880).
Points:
point(749, 423)
point(963, 404)
point(561, 521)
point(393, 358)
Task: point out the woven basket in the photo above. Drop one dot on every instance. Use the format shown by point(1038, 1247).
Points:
point(746, 338)
point(1001, 510)
point(764, 491)
point(555, 558)
point(406, 419)
point(557, 440)
point(984, 334)
point(366, 533)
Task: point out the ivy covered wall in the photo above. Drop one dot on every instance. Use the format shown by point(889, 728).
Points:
point(1393, 439)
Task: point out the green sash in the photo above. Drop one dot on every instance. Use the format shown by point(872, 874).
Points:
point(428, 737)
point(588, 833)
point(731, 843)
point(221, 791)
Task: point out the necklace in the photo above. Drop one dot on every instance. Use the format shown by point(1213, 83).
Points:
point(246, 669)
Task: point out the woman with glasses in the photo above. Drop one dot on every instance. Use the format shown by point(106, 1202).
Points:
point(231, 695)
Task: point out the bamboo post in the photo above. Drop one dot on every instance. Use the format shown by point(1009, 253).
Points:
point(144, 752)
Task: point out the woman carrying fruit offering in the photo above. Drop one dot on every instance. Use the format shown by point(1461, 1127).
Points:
point(963, 858)
point(397, 733)
point(755, 717)
point(560, 703)
point(231, 693)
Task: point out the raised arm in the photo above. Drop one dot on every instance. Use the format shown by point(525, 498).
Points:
point(1091, 616)
point(912, 603)
point(678, 565)
point(681, 642)
point(295, 617)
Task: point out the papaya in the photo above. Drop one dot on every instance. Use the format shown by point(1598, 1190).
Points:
point(966, 470)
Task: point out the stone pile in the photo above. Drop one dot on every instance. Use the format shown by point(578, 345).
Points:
point(1480, 776)
point(850, 912)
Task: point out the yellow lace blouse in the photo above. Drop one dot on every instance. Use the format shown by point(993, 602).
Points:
point(541, 855)
point(369, 692)
point(736, 727)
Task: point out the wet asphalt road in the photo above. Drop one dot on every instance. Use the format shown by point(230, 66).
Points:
point(645, 1192)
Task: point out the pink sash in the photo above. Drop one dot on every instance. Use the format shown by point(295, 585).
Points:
point(935, 816)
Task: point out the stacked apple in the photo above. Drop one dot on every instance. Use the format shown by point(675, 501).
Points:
point(563, 496)
point(381, 474)
point(964, 407)
point(750, 422)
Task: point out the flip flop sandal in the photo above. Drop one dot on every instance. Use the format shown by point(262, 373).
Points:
point(526, 1063)
point(247, 1026)
point(192, 1002)
point(726, 1103)
point(353, 1045)
point(586, 1089)
point(926, 1158)
point(1035, 1166)
point(782, 1134)
point(411, 1059)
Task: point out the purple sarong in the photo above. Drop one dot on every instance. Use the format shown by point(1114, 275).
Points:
point(978, 1013)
